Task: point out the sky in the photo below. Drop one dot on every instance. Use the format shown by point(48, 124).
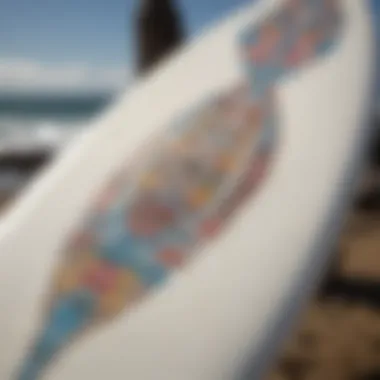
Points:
point(70, 44)
point(64, 45)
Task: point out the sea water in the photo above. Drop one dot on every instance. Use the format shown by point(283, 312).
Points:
point(41, 123)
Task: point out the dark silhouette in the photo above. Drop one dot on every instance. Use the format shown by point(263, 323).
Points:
point(26, 163)
point(352, 290)
point(370, 200)
point(159, 32)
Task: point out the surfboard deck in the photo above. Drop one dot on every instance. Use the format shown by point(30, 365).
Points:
point(176, 238)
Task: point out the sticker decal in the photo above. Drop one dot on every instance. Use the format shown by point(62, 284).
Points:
point(143, 228)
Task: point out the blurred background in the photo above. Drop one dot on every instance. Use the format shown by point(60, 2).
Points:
point(62, 62)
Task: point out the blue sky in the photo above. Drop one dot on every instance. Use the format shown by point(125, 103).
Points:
point(98, 31)
point(63, 43)
point(69, 39)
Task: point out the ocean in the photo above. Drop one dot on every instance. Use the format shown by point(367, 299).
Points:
point(40, 123)
point(29, 120)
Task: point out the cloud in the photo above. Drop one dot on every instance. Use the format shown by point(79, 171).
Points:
point(27, 76)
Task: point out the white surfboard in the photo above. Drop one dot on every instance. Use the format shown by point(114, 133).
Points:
point(177, 237)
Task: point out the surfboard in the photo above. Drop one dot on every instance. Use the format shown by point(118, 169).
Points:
point(179, 235)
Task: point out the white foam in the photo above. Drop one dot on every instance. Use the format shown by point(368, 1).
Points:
point(24, 135)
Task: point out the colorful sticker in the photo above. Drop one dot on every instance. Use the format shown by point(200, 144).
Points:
point(143, 228)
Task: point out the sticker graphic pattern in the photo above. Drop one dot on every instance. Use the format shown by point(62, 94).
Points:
point(145, 227)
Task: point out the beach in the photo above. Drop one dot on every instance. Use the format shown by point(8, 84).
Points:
point(338, 335)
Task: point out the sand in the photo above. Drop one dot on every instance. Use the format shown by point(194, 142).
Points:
point(338, 338)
